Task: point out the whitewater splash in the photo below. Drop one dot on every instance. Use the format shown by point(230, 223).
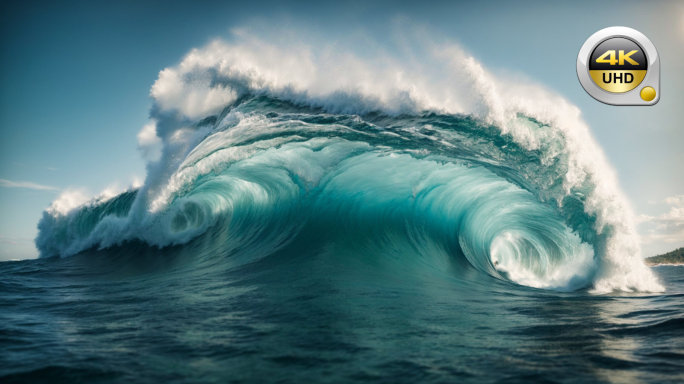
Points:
point(252, 142)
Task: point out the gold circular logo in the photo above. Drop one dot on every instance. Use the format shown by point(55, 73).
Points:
point(648, 93)
point(618, 65)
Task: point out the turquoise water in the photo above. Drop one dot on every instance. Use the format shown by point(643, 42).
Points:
point(280, 242)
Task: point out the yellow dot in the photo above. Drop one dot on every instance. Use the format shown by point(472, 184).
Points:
point(647, 93)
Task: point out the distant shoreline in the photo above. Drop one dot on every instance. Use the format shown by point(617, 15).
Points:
point(675, 257)
point(665, 265)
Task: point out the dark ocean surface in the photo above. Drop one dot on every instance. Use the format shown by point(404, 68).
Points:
point(298, 317)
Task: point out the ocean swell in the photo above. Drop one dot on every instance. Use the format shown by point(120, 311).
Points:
point(261, 144)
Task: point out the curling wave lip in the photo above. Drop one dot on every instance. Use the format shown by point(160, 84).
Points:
point(246, 140)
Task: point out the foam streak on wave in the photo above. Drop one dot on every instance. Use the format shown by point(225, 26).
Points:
point(217, 116)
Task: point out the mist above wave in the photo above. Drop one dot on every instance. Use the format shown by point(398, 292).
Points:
point(194, 104)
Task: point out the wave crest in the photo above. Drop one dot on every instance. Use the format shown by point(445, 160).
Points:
point(253, 135)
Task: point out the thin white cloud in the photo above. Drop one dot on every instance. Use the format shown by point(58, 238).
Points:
point(14, 240)
point(7, 240)
point(27, 185)
point(33, 166)
point(667, 227)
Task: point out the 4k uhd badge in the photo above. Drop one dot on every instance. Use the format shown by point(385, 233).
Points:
point(620, 66)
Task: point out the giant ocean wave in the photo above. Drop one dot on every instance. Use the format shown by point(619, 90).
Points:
point(253, 146)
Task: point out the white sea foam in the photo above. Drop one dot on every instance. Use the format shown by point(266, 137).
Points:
point(434, 77)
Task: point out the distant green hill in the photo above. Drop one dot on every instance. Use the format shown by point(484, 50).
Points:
point(674, 257)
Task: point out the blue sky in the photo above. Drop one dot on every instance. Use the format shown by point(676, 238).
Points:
point(76, 78)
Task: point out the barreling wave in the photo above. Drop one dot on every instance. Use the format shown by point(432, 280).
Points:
point(260, 145)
